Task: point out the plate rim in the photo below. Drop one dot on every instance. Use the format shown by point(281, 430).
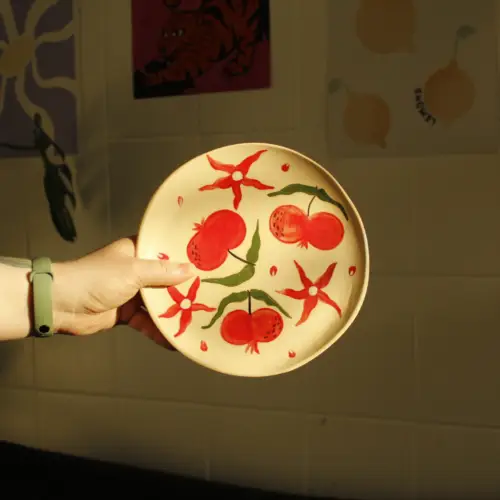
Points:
point(365, 252)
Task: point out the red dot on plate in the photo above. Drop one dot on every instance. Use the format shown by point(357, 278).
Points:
point(180, 201)
point(285, 167)
point(163, 256)
point(273, 270)
point(203, 346)
point(352, 270)
point(292, 354)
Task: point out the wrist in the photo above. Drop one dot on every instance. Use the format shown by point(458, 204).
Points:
point(61, 298)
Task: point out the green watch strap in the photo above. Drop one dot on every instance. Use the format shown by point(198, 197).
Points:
point(41, 277)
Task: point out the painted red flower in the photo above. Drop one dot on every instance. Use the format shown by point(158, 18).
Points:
point(237, 177)
point(312, 292)
point(185, 305)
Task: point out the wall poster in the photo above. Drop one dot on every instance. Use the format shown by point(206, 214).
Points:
point(38, 96)
point(199, 46)
point(410, 78)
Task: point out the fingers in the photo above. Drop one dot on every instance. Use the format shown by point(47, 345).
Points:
point(142, 322)
point(160, 273)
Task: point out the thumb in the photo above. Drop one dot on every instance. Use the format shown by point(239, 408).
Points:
point(151, 273)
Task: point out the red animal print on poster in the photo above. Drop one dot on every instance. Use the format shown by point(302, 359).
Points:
point(198, 46)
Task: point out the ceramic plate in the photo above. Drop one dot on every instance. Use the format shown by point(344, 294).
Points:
point(281, 254)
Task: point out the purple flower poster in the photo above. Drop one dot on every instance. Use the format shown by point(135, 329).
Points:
point(37, 74)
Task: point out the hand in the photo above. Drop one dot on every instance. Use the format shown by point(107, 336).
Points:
point(101, 290)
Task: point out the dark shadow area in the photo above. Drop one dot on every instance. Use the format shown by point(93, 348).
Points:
point(45, 475)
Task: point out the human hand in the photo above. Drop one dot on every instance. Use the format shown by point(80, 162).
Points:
point(101, 290)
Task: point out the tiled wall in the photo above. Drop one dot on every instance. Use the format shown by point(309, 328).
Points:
point(406, 405)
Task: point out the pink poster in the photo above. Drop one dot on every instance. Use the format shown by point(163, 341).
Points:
point(199, 46)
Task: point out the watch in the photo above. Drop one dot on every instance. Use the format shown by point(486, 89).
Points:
point(41, 279)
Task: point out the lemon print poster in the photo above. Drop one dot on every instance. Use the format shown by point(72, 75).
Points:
point(366, 117)
point(412, 78)
point(386, 26)
point(449, 92)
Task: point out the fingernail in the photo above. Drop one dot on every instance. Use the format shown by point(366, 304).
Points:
point(184, 269)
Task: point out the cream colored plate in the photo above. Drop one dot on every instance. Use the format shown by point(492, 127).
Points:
point(281, 252)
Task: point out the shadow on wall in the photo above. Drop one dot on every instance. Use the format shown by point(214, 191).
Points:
point(104, 443)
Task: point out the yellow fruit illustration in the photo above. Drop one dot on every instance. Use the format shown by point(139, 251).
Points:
point(366, 117)
point(449, 92)
point(386, 26)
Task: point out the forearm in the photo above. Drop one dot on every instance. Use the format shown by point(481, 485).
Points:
point(15, 302)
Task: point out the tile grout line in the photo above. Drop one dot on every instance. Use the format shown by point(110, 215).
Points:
point(113, 348)
point(417, 399)
point(281, 412)
point(306, 464)
point(183, 135)
point(414, 462)
point(207, 458)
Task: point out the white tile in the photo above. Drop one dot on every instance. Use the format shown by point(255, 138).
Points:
point(275, 108)
point(163, 436)
point(173, 377)
point(312, 142)
point(93, 217)
point(359, 459)
point(289, 391)
point(218, 140)
point(456, 215)
point(381, 189)
point(308, 141)
point(313, 29)
point(18, 422)
point(457, 349)
point(137, 169)
point(371, 370)
point(75, 363)
point(128, 117)
point(144, 369)
point(92, 173)
point(92, 125)
point(78, 425)
point(16, 363)
point(264, 450)
point(455, 462)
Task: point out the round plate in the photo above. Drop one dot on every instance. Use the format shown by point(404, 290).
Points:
point(281, 254)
